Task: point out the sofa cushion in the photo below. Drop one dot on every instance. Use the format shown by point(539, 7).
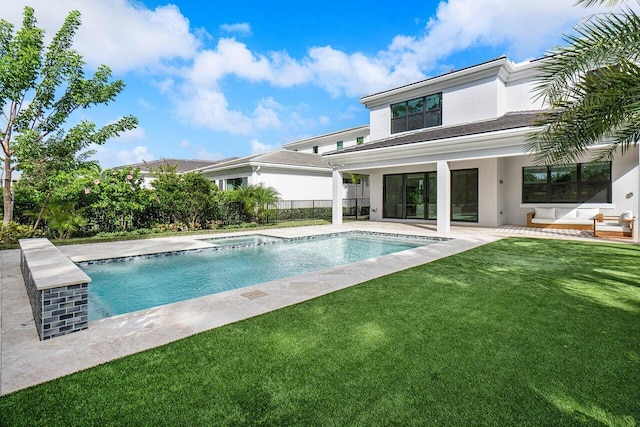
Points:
point(545, 213)
point(587, 213)
point(626, 215)
point(561, 221)
point(566, 213)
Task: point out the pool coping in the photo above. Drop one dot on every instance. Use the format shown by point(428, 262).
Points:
point(28, 361)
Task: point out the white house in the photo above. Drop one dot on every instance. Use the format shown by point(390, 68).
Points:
point(451, 150)
point(297, 172)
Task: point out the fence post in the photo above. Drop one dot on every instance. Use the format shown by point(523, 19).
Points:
point(313, 209)
point(356, 208)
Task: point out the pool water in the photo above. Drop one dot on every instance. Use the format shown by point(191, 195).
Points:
point(123, 287)
point(242, 240)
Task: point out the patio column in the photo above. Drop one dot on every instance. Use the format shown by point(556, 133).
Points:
point(336, 207)
point(444, 197)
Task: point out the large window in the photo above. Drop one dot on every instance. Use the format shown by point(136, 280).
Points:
point(414, 195)
point(417, 113)
point(575, 183)
point(464, 195)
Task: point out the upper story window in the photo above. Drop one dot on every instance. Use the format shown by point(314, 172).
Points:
point(360, 140)
point(339, 145)
point(315, 149)
point(417, 113)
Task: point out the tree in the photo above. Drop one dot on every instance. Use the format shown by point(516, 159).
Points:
point(592, 87)
point(186, 198)
point(256, 199)
point(39, 89)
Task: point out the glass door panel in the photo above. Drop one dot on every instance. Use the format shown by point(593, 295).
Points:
point(393, 197)
point(432, 195)
point(415, 196)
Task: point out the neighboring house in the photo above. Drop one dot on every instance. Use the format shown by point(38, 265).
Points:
point(331, 141)
point(298, 171)
point(147, 169)
point(295, 175)
point(451, 149)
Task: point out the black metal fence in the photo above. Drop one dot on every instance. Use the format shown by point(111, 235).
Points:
point(292, 210)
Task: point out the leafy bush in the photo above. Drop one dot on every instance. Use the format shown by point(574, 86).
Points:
point(13, 231)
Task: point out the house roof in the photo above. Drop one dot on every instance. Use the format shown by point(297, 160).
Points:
point(182, 165)
point(512, 120)
point(278, 157)
point(500, 58)
point(355, 129)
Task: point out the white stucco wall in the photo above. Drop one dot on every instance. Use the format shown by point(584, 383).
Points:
point(470, 102)
point(297, 185)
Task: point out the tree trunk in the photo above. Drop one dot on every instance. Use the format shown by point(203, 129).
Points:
point(41, 213)
point(6, 193)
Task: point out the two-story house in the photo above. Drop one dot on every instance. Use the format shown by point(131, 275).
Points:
point(451, 150)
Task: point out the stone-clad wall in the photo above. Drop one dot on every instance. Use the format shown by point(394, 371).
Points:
point(57, 289)
point(64, 310)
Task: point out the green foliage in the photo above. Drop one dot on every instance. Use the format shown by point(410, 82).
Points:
point(593, 89)
point(187, 198)
point(256, 200)
point(39, 89)
point(64, 219)
point(117, 201)
point(13, 231)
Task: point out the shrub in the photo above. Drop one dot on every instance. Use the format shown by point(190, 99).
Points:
point(13, 231)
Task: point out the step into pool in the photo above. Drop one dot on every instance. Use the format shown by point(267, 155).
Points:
point(123, 286)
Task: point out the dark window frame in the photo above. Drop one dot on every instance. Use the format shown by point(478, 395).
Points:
point(477, 202)
point(580, 185)
point(315, 149)
point(426, 195)
point(360, 140)
point(339, 145)
point(413, 114)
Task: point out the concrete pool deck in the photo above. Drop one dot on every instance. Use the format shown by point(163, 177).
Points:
point(26, 361)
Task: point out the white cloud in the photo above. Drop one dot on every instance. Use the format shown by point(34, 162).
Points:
point(131, 136)
point(242, 28)
point(122, 34)
point(185, 144)
point(202, 154)
point(109, 156)
point(258, 147)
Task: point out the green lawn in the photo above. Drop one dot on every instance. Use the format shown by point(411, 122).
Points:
point(521, 331)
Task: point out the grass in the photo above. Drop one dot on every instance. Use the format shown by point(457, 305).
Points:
point(517, 332)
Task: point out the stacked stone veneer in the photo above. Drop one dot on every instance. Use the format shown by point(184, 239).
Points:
point(57, 289)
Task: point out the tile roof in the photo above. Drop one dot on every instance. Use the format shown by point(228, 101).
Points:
point(279, 157)
point(182, 165)
point(512, 120)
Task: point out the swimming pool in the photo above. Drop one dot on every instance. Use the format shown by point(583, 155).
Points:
point(119, 287)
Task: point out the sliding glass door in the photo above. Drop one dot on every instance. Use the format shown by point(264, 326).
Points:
point(415, 195)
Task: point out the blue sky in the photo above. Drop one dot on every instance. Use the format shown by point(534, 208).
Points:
point(214, 79)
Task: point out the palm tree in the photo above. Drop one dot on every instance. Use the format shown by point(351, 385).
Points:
point(592, 87)
point(256, 199)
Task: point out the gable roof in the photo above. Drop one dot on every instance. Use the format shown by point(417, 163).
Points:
point(278, 157)
point(182, 165)
point(512, 120)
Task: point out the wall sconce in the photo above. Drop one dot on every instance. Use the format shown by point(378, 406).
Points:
point(629, 195)
point(501, 181)
point(374, 209)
